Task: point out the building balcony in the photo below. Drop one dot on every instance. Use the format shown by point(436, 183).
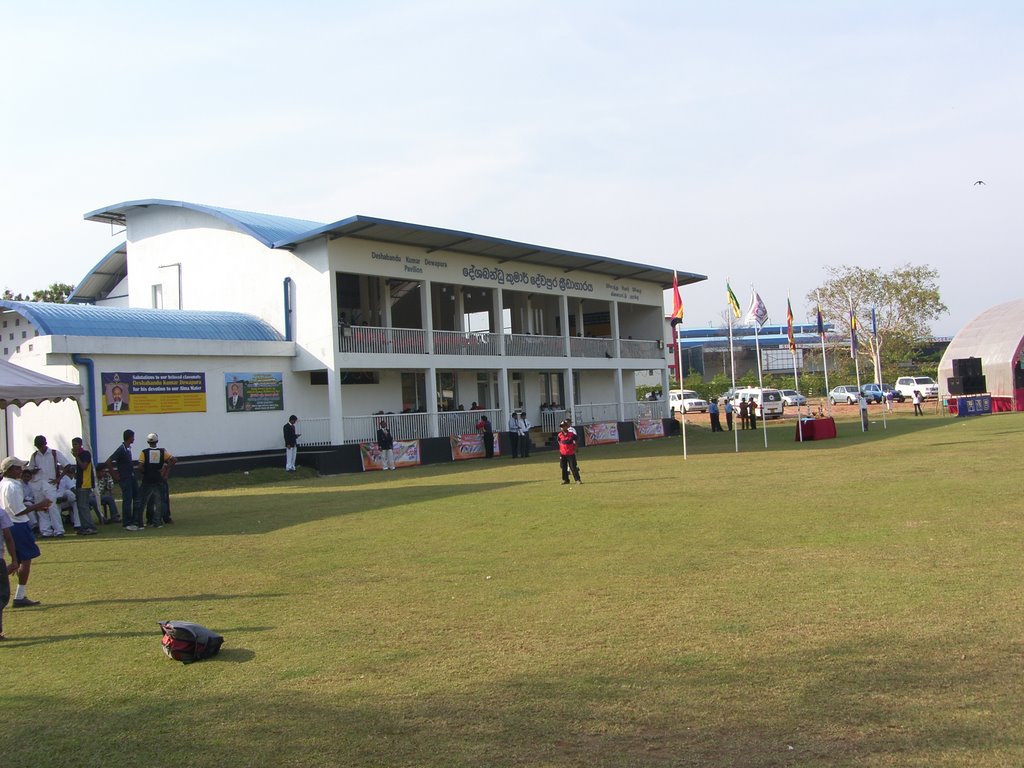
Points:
point(372, 340)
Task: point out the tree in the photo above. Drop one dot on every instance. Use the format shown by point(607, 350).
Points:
point(906, 300)
point(55, 293)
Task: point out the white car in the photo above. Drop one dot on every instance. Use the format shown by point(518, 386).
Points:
point(926, 385)
point(792, 398)
point(687, 401)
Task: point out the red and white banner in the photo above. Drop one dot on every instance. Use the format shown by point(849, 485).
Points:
point(471, 447)
point(407, 454)
point(601, 433)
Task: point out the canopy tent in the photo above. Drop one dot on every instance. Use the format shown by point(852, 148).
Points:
point(19, 386)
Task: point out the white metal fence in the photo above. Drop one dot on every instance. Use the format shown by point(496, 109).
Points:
point(375, 340)
point(465, 343)
point(584, 347)
point(417, 426)
point(639, 349)
point(525, 345)
point(316, 431)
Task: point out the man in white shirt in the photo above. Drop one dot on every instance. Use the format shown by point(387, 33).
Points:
point(12, 501)
point(48, 463)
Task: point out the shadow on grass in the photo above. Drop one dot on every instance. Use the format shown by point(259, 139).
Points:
point(874, 702)
point(24, 642)
point(202, 598)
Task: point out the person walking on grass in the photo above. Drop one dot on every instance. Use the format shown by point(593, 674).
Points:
point(567, 442)
point(918, 399)
point(386, 446)
point(12, 501)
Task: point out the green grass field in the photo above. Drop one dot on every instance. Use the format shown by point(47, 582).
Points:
point(851, 602)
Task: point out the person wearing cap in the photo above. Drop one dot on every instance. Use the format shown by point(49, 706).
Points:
point(5, 569)
point(124, 467)
point(156, 465)
point(12, 501)
point(47, 465)
point(567, 442)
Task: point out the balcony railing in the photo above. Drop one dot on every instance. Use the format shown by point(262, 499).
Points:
point(525, 345)
point(416, 426)
point(374, 340)
point(465, 343)
point(638, 349)
point(584, 347)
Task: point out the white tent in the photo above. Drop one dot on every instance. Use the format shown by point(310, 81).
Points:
point(19, 386)
point(997, 337)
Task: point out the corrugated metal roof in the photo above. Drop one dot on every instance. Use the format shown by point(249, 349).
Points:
point(264, 227)
point(103, 278)
point(510, 252)
point(281, 232)
point(90, 320)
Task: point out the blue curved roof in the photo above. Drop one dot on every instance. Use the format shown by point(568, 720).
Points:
point(90, 320)
point(264, 227)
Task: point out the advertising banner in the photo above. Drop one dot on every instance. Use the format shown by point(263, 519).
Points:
point(128, 393)
point(407, 454)
point(649, 428)
point(601, 433)
point(249, 392)
point(471, 447)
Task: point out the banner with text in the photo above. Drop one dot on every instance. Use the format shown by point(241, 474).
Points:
point(127, 393)
point(649, 428)
point(471, 447)
point(407, 454)
point(248, 392)
point(601, 433)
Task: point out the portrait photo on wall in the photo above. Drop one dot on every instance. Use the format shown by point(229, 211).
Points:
point(236, 396)
point(116, 396)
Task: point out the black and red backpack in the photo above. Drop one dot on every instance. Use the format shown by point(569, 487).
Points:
point(187, 642)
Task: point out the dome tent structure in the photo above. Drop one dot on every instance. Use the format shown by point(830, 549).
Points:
point(997, 337)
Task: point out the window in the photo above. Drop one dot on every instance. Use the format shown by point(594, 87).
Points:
point(414, 392)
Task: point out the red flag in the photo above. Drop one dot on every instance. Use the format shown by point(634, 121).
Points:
point(677, 301)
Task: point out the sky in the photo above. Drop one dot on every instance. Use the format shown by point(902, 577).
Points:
point(755, 142)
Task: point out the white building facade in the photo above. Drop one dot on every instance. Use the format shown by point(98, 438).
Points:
point(368, 316)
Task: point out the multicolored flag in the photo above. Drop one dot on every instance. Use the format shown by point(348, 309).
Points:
point(789, 326)
point(874, 323)
point(731, 298)
point(677, 301)
point(758, 312)
point(821, 323)
point(853, 335)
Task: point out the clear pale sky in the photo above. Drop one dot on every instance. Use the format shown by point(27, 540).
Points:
point(745, 140)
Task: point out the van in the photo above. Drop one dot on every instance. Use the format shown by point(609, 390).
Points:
point(767, 401)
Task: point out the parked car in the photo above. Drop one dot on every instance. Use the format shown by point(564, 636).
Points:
point(792, 398)
point(896, 394)
point(844, 393)
point(767, 401)
point(687, 401)
point(926, 385)
point(872, 392)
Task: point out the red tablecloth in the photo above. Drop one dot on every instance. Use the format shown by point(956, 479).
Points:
point(816, 429)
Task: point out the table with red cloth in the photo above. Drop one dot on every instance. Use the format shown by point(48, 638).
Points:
point(816, 429)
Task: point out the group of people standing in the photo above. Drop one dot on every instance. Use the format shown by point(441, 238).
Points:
point(747, 410)
point(32, 493)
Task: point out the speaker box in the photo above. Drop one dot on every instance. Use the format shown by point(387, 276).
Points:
point(955, 385)
point(967, 366)
point(973, 385)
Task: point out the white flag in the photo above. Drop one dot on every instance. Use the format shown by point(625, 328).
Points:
point(758, 312)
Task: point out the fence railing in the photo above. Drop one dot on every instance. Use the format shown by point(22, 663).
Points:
point(315, 431)
point(591, 413)
point(464, 422)
point(374, 340)
point(465, 343)
point(584, 347)
point(525, 345)
point(416, 426)
point(549, 420)
point(638, 349)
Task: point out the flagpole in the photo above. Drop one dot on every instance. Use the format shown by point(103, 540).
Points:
point(732, 364)
point(792, 354)
point(856, 361)
point(682, 405)
point(878, 365)
point(760, 380)
point(824, 356)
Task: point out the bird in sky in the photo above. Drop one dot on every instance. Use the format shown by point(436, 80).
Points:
point(979, 182)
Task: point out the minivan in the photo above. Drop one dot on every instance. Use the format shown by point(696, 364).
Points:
point(768, 401)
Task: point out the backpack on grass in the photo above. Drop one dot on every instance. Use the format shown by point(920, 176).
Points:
point(187, 642)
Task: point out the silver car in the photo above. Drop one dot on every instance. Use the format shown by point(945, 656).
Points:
point(792, 398)
point(845, 393)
